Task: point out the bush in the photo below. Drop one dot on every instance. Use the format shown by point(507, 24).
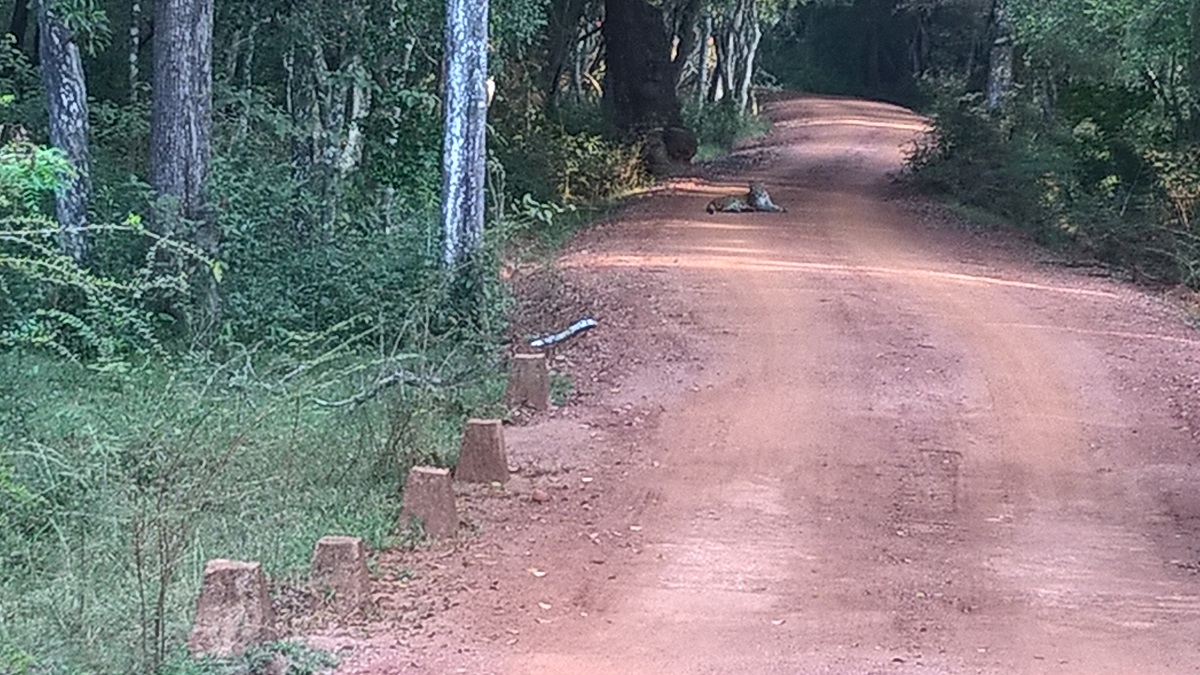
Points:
point(718, 126)
point(117, 487)
point(572, 161)
point(1096, 181)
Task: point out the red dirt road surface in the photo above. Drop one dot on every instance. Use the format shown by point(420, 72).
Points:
point(852, 438)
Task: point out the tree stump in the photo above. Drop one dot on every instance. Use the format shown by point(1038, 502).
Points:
point(429, 497)
point(234, 610)
point(482, 458)
point(529, 382)
point(339, 572)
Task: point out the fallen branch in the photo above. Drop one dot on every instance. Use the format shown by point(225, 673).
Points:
point(404, 377)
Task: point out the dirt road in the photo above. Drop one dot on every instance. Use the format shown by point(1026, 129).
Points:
point(852, 438)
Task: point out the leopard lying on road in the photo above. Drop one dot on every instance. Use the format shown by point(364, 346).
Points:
point(756, 199)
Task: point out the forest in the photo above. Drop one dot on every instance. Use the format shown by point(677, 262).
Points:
point(221, 236)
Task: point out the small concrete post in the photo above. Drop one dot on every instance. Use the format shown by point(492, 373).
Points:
point(482, 457)
point(429, 497)
point(234, 610)
point(529, 382)
point(339, 572)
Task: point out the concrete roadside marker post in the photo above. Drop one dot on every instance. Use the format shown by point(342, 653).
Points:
point(529, 382)
point(339, 572)
point(482, 457)
point(429, 497)
point(233, 611)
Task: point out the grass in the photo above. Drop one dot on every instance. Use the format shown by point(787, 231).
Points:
point(978, 218)
point(116, 488)
point(561, 388)
point(300, 660)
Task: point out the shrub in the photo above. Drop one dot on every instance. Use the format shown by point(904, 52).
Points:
point(718, 126)
point(1098, 176)
point(552, 162)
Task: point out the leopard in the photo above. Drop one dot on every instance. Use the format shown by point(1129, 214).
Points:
point(760, 200)
point(757, 199)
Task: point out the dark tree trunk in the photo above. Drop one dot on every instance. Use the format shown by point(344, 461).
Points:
point(685, 31)
point(181, 112)
point(563, 38)
point(18, 26)
point(873, 77)
point(66, 95)
point(1194, 68)
point(639, 88)
point(181, 125)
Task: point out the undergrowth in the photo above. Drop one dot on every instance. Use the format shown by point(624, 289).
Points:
point(138, 440)
point(719, 126)
point(1100, 176)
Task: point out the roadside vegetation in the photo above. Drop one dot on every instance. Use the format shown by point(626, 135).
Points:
point(236, 367)
point(1078, 125)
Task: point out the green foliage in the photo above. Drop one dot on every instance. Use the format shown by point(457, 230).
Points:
point(409, 150)
point(720, 125)
point(569, 159)
point(86, 20)
point(875, 48)
point(81, 313)
point(120, 485)
point(29, 174)
point(22, 106)
point(135, 442)
point(1100, 182)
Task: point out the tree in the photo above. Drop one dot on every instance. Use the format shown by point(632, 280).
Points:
point(738, 35)
point(181, 124)
point(66, 96)
point(639, 84)
point(18, 25)
point(1000, 59)
point(562, 38)
point(463, 168)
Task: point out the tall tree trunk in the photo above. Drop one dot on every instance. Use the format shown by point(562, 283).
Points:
point(737, 40)
point(1000, 59)
point(135, 48)
point(750, 50)
point(563, 41)
point(685, 34)
point(577, 58)
point(1194, 68)
point(639, 89)
point(702, 61)
point(66, 95)
point(18, 26)
point(360, 107)
point(181, 125)
point(463, 165)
